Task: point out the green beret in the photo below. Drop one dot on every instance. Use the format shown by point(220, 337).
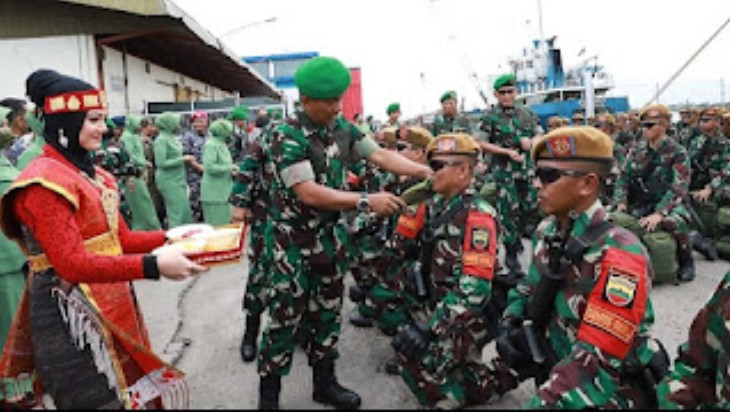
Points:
point(221, 128)
point(238, 113)
point(393, 107)
point(505, 80)
point(322, 78)
point(110, 124)
point(448, 95)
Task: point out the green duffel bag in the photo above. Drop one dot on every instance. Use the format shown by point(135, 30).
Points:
point(723, 221)
point(627, 221)
point(489, 193)
point(723, 247)
point(663, 254)
point(707, 212)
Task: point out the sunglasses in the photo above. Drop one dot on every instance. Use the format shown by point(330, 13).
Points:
point(438, 164)
point(648, 125)
point(707, 119)
point(549, 175)
point(402, 146)
point(506, 91)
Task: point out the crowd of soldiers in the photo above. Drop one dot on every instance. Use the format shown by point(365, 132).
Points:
point(417, 214)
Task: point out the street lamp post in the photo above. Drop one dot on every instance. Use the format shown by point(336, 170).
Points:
point(246, 26)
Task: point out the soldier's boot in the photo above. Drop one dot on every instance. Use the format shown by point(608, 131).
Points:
point(359, 320)
point(328, 391)
point(705, 246)
point(269, 389)
point(686, 272)
point(392, 367)
point(248, 344)
point(357, 294)
point(511, 258)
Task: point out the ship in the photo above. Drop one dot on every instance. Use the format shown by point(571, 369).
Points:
point(549, 90)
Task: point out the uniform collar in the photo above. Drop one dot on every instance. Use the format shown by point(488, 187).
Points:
point(595, 214)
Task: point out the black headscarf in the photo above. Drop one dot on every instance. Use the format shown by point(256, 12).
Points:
point(45, 83)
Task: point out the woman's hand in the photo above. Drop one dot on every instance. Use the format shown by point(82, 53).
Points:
point(174, 265)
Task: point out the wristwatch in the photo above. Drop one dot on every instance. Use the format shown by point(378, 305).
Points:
point(363, 204)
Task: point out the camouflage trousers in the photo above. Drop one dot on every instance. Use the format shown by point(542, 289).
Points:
point(305, 289)
point(254, 299)
point(517, 205)
point(451, 375)
point(677, 224)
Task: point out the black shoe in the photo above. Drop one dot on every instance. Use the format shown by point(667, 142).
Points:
point(269, 389)
point(511, 260)
point(328, 391)
point(392, 367)
point(686, 272)
point(705, 246)
point(359, 320)
point(248, 344)
point(357, 294)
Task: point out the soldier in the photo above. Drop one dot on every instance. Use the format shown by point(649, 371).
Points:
point(193, 142)
point(441, 355)
point(250, 198)
point(654, 183)
point(553, 123)
point(239, 140)
point(309, 157)
point(578, 323)
point(113, 157)
point(393, 112)
point(699, 379)
point(606, 123)
point(578, 119)
point(689, 127)
point(450, 120)
point(509, 130)
point(709, 154)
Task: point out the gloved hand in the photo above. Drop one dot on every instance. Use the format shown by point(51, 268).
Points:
point(511, 344)
point(413, 341)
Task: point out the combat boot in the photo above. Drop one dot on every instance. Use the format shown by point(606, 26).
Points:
point(357, 294)
point(686, 272)
point(328, 391)
point(269, 389)
point(511, 258)
point(359, 320)
point(704, 245)
point(248, 344)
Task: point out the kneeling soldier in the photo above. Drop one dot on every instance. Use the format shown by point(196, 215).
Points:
point(578, 322)
point(441, 355)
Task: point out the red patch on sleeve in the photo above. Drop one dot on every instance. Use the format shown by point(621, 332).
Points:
point(480, 245)
point(410, 224)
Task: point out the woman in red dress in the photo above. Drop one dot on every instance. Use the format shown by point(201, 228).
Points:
point(79, 331)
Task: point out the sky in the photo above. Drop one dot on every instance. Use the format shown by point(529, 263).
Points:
point(411, 51)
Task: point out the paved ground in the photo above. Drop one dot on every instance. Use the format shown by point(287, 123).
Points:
point(198, 325)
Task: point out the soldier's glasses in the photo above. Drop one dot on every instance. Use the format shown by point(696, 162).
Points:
point(707, 119)
point(550, 175)
point(438, 164)
point(506, 91)
point(648, 125)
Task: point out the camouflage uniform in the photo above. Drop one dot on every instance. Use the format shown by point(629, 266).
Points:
point(686, 135)
point(238, 145)
point(306, 282)
point(700, 379)
point(667, 181)
point(251, 191)
point(592, 354)
point(458, 123)
point(193, 144)
point(114, 158)
point(709, 157)
point(447, 376)
point(517, 197)
point(619, 156)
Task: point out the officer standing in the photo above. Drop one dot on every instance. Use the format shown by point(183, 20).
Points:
point(309, 158)
point(578, 323)
point(441, 355)
point(509, 130)
point(393, 112)
point(654, 183)
point(239, 140)
point(699, 379)
point(450, 120)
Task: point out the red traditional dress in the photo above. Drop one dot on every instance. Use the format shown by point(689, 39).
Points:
point(79, 328)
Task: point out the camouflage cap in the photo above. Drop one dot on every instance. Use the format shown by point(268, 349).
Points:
point(507, 79)
point(322, 78)
point(418, 136)
point(453, 144)
point(574, 143)
point(661, 109)
point(448, 95)
point(393, 107)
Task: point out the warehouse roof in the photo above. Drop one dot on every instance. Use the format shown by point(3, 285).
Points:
point(154, 30)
